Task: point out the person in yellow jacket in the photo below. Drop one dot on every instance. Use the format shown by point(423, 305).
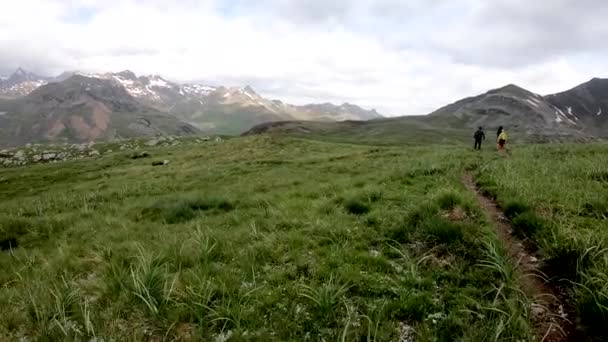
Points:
point(502, 138)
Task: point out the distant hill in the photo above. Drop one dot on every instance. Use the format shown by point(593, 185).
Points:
point(577, 114)
point(82, 109)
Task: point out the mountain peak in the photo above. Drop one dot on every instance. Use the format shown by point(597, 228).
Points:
point(249, 90)
point(20, 72)
point(128, 74)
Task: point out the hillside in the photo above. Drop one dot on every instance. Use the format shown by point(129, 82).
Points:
point(587, 103)
point(81, 109)
point(575, 115)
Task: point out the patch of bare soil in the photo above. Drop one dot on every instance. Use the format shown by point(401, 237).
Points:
point(550, 308)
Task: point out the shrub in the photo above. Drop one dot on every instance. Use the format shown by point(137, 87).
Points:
point(515, 208)
point(441, 231)
point(527, 224)
point(448, 200)
point(356, 207)
point(182, 210)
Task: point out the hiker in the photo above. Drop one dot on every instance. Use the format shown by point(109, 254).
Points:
point(502, 138)
point(479, 137)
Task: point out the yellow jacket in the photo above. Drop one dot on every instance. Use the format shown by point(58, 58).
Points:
point(503, 136)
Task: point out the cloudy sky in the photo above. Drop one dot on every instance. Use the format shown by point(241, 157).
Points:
point(399, 56)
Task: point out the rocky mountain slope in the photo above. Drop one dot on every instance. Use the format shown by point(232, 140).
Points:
point(81, 109)
point(587, 104)
point(513, 107)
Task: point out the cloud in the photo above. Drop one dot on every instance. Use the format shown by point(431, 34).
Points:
point(401, 57)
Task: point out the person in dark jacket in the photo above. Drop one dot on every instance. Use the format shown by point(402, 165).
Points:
point(479, 137)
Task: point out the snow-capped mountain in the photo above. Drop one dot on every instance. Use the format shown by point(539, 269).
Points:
point(20, 83)
point(228, 110)
point(214, 109)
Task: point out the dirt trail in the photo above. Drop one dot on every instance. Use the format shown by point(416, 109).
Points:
point(548, 306)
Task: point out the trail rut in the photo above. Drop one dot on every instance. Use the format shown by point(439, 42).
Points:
point(552, 322)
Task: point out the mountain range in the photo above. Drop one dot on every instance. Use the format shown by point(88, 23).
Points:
point(76, 106)
point(82, 107)
point(576, 114)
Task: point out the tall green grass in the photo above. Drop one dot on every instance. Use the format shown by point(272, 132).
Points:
point(268, 239)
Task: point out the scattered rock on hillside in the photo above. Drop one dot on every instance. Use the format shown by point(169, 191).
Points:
point(160, 163)
point(19, 155)
point(94, 153)
point(47, 156)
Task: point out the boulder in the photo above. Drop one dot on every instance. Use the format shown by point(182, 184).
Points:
point(160, 163)
point(20, 155)
point(37, 158)
point(152, 142)
point(47, 156)
point(94, 153)
point(6, 154)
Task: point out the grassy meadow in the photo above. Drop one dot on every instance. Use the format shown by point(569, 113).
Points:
point(557, 196)
point(283, 239)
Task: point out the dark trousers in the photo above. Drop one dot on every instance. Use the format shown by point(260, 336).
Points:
point(477, 144)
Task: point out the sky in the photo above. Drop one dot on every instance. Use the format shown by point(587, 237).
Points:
point(400, 57)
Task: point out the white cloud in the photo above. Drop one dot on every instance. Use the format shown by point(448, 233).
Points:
point(399, 57)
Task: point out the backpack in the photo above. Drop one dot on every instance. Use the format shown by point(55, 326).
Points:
point(478, 135)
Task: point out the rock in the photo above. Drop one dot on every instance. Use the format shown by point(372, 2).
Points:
point(6, 154)
point(218, 139)
point(37, 158)
point(109, 151)
point(206, 138)
point(91, 144)
point(537, 310)
point(533, 260)
point(28, 145)
point(123, 147)
point(94, 153)
point(153, 142)
point(175, 143)
point(20, 155)
point(7, 162)
point(49, 156)
point(160, 163)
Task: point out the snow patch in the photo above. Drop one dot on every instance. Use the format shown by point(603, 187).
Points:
point(85, 74)
point(569, 110)
point(197, 89)
point(599, 111)
point(533, 103)
point(249, 95)
point(159, 82)
point(561, 116)
point(2, 113)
